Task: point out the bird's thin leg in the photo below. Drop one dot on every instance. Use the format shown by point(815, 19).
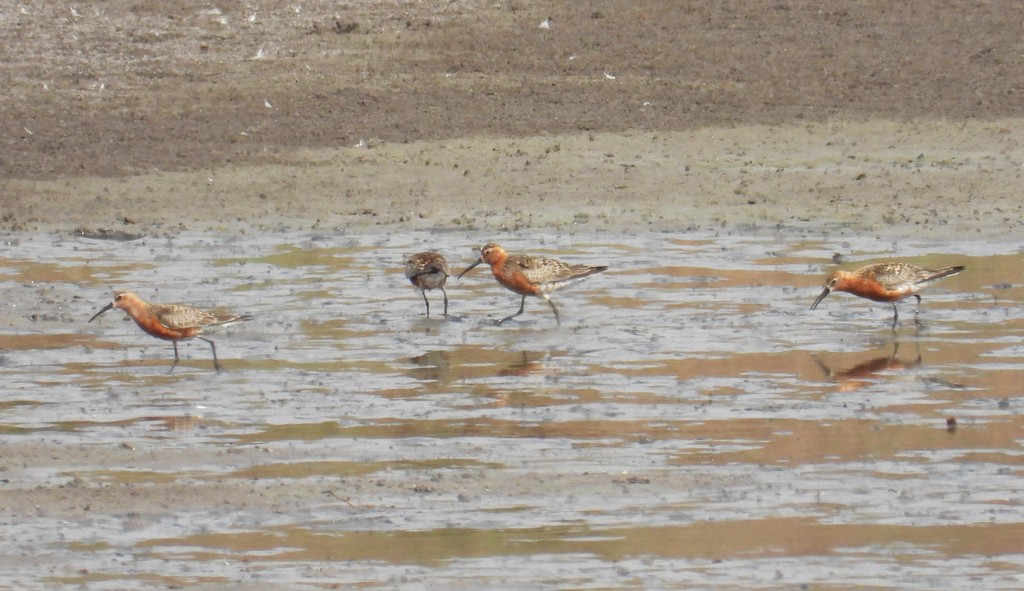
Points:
point(917, 309)
point(522, 304)
point(558, 321)
point(175, 364)
point(426, 301)
point(895, 316)
point(445, 293)
point(216, 363)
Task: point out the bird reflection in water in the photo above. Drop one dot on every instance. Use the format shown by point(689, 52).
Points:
point(864, 373)
point(475, 363)
point(432, 366)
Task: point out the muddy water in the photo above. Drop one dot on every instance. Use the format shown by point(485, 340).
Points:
point(691, 424)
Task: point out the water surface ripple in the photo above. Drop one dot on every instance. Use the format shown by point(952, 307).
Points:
point(691, 424)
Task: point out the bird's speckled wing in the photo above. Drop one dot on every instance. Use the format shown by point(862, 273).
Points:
point(426, 263)
point(549, 273)
point(905, 275)
point(889, 275)
point(427, 270)
point(183, 317)
point(538, 270)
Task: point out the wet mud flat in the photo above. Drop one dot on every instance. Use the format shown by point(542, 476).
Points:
point(691, 424)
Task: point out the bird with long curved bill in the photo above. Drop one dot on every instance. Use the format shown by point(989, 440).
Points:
point(531, 275)
point(172, 322)
point(885, 282)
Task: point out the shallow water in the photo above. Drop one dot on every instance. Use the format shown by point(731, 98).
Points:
point(691, 424)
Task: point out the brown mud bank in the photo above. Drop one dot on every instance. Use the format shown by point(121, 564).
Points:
point(145, 118)
point(882, 178)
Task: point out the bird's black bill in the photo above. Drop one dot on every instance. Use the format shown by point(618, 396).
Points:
point(105, 308)
point(821, 297)
point(478, 261)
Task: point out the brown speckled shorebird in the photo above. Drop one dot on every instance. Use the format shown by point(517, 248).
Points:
point(428, 270)
point(171, 322)
point(531, 275)
point(885, 282)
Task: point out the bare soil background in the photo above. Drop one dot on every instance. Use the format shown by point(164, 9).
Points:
point(149, 117)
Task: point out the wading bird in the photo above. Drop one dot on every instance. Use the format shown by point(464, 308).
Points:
point(428, 270)
point(885, 282)
point(531, 275)
point(171, 322)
